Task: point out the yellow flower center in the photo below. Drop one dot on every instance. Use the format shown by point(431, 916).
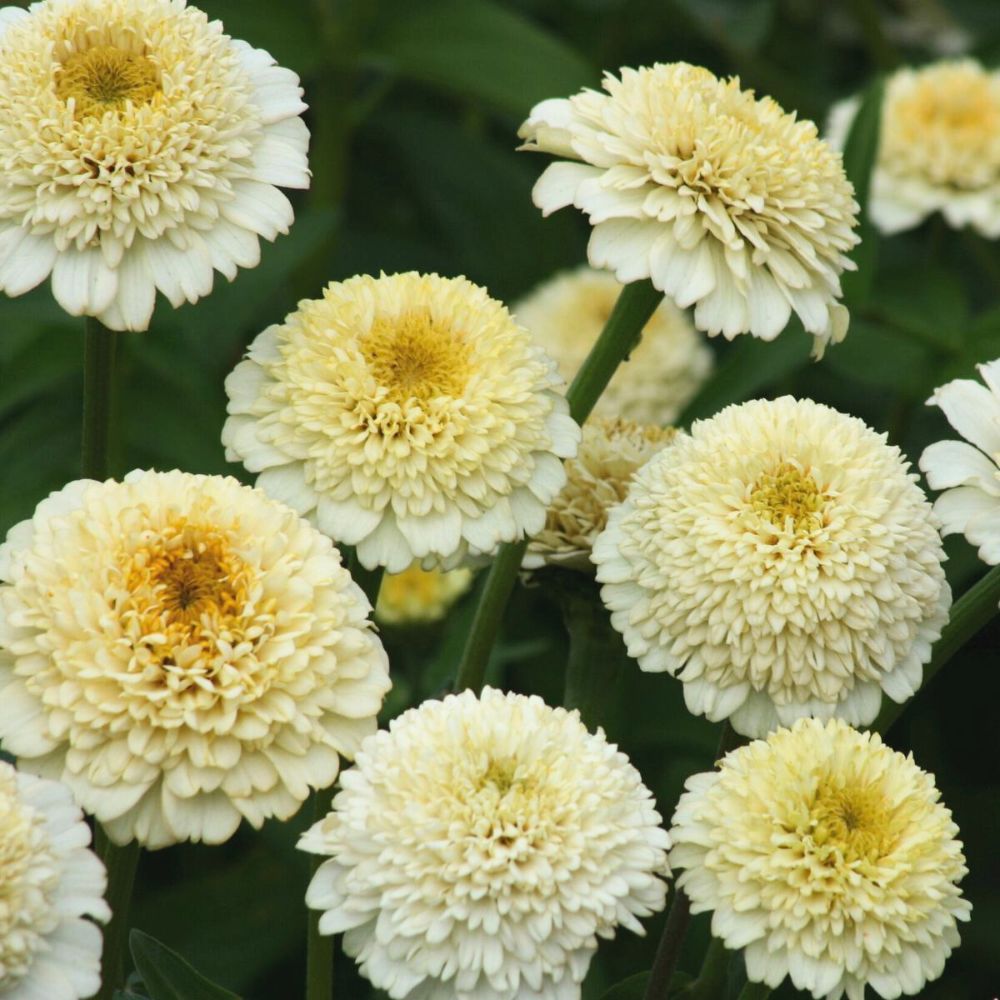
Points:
point(852, 820)
point(415, 358)
point(788, 492)
point(939, 103)
point(104, 79)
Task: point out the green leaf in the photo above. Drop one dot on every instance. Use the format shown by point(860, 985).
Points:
point(167, 976)
point(479, 49)
point(860, 151)
point(747, 368)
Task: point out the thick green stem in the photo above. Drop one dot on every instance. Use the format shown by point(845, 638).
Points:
point(121, 863)
point(711, 981)
point(319, 947)
point(755, 991)
point(620, 335)
point(970, 613)
point(99, 349)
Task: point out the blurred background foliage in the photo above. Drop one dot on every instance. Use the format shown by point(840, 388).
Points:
point(414, 110)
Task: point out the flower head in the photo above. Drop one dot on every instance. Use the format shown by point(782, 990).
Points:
point(49, 884)
point(939, 148)
point(828, 858)
point(724, 201)
point(417, 595)
point(969, 471)
point(782, 561)
point(182, 652)
point(596, 480)
point(567, 313)
point(140, 149)
point(480, 847)
point(409, 414)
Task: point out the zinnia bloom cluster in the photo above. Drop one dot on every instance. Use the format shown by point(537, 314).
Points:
point(418, 596)
point(50, 883)
point(596, 480)
point(140, 149)
point(408, 414)
point(724, 201)
point(939, 147)
point(566, 315)
point(781, 561)
point(480, 847)
point(827, 858)
point(183, 653)
point(969, 471)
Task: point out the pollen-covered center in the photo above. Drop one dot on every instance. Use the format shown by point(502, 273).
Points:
point(187, 586)
point(28, 880)
point(788, 492)
point(851, 820)
point(413, 357)
point(105, 78)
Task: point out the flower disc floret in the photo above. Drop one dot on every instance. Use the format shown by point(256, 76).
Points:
point(939, 148)
point(827, 858)
point(566, 315)
point(724, 201)
point(182, 652)
point(140, 149)
point(408, 414)
point(50, 883)
point(596, 480)
point(969, 471)
point(781, 561)
point(480, 847)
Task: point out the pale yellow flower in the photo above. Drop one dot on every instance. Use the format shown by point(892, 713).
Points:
point(596, 480)
point(781, 561)
point(408, 414)
point(140, 149)
point(567, 313)
point(50, 884)
point(480, 847)
point(417, 596)
point(723, 201)
point(828, 859)
point(183, 653)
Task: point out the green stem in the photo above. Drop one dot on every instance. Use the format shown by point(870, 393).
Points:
point(99, 349)
point(319, 947)
point(755, 991)
point(970, 613)
point(619, 337)
point(711, 981)
point(121, 863)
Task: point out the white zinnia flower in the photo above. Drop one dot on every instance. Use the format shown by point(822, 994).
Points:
point(567, 313)
point(969, 473)
point(596, 480)
point(826, 857)
point(417, 596)
point(939, 149)
point(139, 150)
point(182, 652)
point(481, 846)
point(408, 414)
point(49, 884)
point(782, 561)
point(725, 202)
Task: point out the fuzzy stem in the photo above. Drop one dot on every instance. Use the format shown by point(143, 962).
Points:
point(99, 350)
point(619, 337)
point(121, 863)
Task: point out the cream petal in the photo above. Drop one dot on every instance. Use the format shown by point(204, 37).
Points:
point(558, 185)
point(973, 411)
point(955, 463)
point(82, 283)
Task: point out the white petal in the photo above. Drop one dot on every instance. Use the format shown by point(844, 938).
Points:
point(82, 283)
point(287, 484)
point(624, 246)
point(955, 463)
point(231, 247)
point(132, 308)
point(25, 261)
point(956, 508)
point(346, 522)
point(973, 411)
point(280, 157)
point(182, 275)
point(260, 208)
point(558, 185)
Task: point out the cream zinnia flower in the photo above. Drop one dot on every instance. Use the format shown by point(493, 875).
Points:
point(408, 414)
point(782, 561)
point(567, 313)
point(596, 480)
point(417, 595)
point(182, 652)
point(50, 883)
point(969, 473)
point(939, 149)
point(481, 846)
point(139, 150)
point(828, 858)
point(723, 201)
